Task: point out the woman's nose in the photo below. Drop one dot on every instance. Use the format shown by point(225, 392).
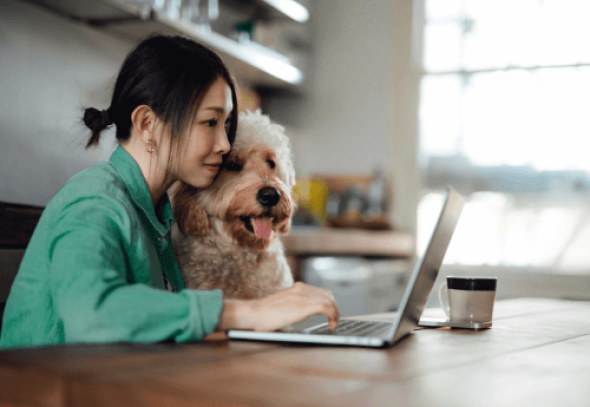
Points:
point(223, 145)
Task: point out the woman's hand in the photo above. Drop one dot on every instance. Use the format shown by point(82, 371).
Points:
point(279, 310)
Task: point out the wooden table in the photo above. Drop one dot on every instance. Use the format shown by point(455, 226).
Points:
point(536, 354)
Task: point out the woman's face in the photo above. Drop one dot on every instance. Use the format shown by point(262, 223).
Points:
point(200, 154)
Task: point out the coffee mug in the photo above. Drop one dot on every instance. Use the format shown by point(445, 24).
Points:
point(470, 298)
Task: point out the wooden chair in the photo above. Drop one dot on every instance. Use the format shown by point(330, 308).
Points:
point(17, 223)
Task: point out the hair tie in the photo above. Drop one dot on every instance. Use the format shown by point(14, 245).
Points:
point(105, 117)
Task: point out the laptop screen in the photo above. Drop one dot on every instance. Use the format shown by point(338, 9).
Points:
point(427, 268)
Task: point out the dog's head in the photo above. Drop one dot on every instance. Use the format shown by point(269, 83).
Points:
point(252, 194)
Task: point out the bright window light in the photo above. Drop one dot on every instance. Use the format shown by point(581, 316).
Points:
point(505, 99)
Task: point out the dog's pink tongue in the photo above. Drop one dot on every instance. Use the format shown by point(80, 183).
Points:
point(262, 227)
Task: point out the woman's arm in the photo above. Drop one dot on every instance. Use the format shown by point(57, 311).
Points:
point(88, 265)
point(279, 310)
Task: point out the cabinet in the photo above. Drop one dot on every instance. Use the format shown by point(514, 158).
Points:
point(365, 270)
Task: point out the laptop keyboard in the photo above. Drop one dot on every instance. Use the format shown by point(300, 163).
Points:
point(352, 328)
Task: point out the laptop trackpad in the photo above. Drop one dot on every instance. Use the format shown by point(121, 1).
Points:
point(306, 324)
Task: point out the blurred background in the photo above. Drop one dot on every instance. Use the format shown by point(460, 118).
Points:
point(386, 102)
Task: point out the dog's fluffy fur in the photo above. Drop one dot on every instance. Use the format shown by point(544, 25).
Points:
point(225, 236)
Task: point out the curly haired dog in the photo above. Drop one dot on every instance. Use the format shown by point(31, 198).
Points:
point(226, 235)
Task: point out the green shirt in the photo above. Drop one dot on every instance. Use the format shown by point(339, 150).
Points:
point(93, 270)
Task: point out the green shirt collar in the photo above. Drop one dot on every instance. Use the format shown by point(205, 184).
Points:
point(137, 189)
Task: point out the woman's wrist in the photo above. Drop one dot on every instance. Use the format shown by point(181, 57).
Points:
point(236, 314)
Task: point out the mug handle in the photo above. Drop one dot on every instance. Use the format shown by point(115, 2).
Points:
point(441, 299)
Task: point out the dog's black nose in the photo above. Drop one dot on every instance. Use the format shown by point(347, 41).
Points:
point(268, 196)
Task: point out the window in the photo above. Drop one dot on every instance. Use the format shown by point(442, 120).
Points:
point(505, 118)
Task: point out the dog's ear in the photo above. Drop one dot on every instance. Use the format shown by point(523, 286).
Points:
point(196, 222)
point(192, 220)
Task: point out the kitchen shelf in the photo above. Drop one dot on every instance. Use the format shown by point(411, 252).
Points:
point(275, 65)
point(273, 9)
point(290, 8)
point(127, 19)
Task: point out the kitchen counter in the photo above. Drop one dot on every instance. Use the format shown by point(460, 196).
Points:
point(305, 242)
point(353, 242)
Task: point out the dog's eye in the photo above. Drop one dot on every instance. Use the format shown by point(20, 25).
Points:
point(271, 164)
point(233, 166)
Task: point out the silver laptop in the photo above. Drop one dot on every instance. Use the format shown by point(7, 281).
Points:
point(378, 333)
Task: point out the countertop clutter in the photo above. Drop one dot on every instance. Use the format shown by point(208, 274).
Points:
point(350, 201)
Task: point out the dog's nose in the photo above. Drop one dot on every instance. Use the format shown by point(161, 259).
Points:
point(268, 196)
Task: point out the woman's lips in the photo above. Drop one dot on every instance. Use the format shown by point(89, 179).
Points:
point(212, 168)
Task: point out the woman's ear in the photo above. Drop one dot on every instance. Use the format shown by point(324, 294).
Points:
point(143, 121)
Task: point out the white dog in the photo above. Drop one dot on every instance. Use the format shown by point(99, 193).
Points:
point(225, 236)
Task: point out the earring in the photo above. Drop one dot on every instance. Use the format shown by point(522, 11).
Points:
point(151, 150)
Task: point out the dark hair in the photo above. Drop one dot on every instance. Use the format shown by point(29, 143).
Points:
point(170, 75)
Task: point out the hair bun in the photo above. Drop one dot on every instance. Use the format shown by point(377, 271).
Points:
point(105, 117)
point(96, 120)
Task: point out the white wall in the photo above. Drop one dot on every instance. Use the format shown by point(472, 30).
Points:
point(49, 69)
point(360, 112)
point(361, 106)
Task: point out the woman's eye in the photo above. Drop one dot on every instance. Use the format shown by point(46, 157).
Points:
point(233, 166)
point(211, 123)
point(271, 164)
point(227, 123)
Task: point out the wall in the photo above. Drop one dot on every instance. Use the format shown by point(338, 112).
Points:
point(49, 68)
point(360, 112)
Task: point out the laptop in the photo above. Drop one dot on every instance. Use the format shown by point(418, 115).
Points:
point(379, 333)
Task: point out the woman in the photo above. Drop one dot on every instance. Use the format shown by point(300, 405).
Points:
point(100, 258)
